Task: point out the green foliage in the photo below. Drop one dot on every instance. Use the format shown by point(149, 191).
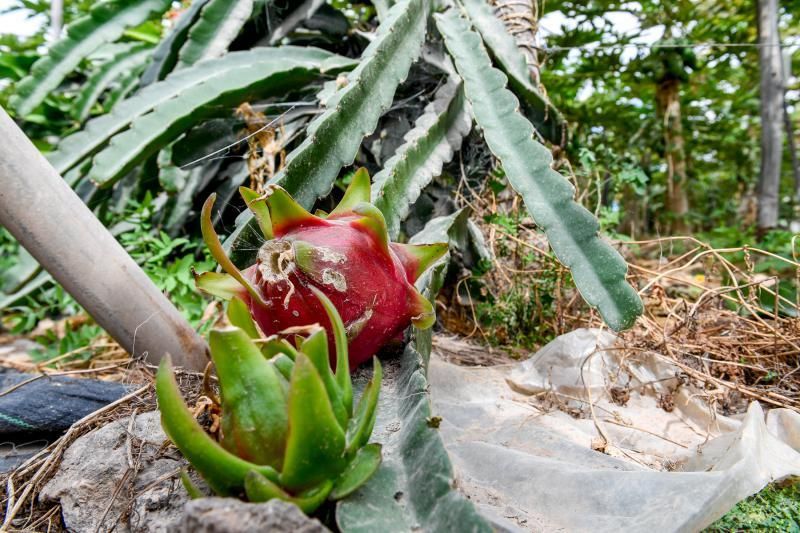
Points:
point(167, 261)
point(776, 508)
point(106, 22)
point(75, 340)
point(217, 25)
point(334, 138)
point(523, 314)
point(76, 147)
point(265, 72)
point(157, 140)
point(129, 60)
point(280, 440)
point(548, 121)
point(52, 302)
point(165, 56)
point(599, 271)
point(607, 92)
point(436, 136)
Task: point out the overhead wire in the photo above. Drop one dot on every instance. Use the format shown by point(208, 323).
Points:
point(592, 46)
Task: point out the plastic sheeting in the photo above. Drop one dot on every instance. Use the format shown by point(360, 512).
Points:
point(580, 438)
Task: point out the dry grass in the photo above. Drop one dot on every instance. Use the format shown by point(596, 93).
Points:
point(703, 306)
point(20, 508)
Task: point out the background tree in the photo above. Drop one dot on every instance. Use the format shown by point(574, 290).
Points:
point(608, 96)
point(772, 111)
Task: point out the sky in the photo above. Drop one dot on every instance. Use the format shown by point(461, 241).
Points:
point(17, 21)
point(552, 23)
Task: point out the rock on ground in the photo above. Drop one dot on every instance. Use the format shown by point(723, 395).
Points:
point(228, 515)
point(113, 480)
point(110, 480)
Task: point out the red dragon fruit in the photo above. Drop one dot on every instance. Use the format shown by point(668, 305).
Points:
point(346, 254)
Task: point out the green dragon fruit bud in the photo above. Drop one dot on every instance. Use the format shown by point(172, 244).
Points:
point(346, 254)
point(289, 429)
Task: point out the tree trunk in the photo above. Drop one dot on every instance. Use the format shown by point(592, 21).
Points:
point(787, 122)
point(791, 144)
point(521, 17)
point(772, 109)
point(56, 18)
point(668, 105)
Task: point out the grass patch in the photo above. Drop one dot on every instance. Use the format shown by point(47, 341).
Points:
point(775, 508)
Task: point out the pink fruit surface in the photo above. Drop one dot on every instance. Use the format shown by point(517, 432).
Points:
point(345, 254)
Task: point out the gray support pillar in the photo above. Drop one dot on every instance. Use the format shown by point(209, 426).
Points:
point(43, 213)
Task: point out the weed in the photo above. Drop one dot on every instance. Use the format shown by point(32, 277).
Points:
point(776, 508)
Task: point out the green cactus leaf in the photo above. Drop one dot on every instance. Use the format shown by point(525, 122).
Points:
point(105, 23)
point(436, 135)
point(413, 487)
point(598, 270)
point(24, 268)
point(260, 489)
point(218, 24)
point(192, 489)
point(223, 471)
point(165, 56)
point(315, 445)
point(171, 177)
point(40, 279)
point(217, 252)
point(218, 284)
point(130, 58)
point(544, 116)
point(353, 111)
point(215, 96)
point(315, 346)
point(342, 359)
point(239, 316)
point(255, 423)
point(258, 205)
point(121, 89)
point(360, 427)
point(201, 90)
point(360, 469)
point(357, 192)
point(300, 13)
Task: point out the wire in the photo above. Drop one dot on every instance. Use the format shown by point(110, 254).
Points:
point(549, 49)
point(225, 148)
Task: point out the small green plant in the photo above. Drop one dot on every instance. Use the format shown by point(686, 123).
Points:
point(288, 426)
point(167, 260)
point(77, 341)
point(523, 315)
point(776, 508)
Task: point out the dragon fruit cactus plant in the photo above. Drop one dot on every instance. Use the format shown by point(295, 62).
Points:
point(346, 254)
point(288, 427)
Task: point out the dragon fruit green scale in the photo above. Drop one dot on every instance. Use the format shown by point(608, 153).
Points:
point(288, 428)
point(346, 254)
